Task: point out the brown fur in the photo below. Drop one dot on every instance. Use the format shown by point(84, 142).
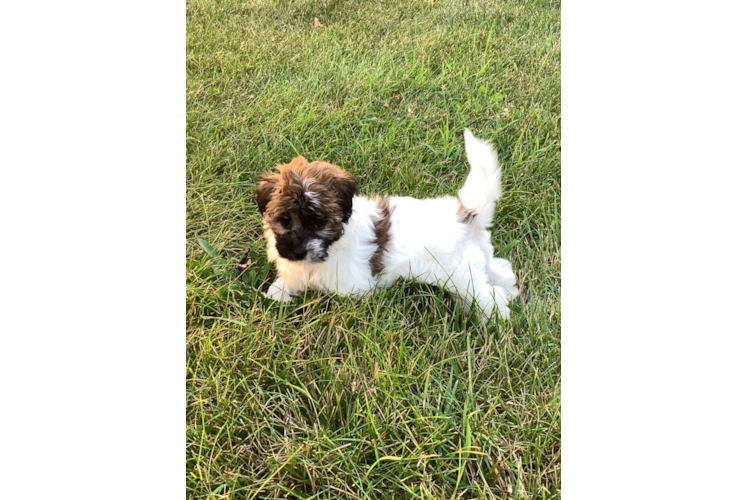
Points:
point(302, 193)
point(381, 234)
point(284, 192)
point(464, 215)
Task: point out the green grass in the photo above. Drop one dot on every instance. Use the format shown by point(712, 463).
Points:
point(396, 395)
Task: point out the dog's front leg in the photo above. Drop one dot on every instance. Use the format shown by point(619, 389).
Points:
point(279, 291)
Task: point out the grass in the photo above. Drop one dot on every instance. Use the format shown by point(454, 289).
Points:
point(396, 395)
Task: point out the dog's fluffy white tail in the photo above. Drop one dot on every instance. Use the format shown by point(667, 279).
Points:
point(483, 184)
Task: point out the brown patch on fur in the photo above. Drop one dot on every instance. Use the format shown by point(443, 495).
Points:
point(382, 226)
point(465, 215)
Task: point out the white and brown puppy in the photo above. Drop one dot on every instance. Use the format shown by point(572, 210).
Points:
point(322, 237)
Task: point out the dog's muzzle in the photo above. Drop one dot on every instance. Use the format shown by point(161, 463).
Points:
point(297, 249)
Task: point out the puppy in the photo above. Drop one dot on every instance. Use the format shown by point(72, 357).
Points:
point(322, 237)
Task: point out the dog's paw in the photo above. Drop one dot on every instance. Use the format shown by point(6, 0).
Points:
point(485, 314)
point(278, 292)
point(512, 292)
point(503, 311)
point(501, 298)
point(278, 296)
point(501, 275)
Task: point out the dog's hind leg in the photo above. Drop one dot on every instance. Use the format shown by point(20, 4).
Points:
point(500, 274)
point(499, 271)
point(488, 298)
point(471, 282)
point(499, 301)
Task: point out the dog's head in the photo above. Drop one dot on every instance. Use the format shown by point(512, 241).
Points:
point(306, 206)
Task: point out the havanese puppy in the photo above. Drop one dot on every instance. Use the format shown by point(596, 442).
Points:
point(322, 237)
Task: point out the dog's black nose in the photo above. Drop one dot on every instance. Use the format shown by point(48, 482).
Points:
point(299, 253)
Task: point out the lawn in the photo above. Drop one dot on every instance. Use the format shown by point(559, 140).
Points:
point(397, 395)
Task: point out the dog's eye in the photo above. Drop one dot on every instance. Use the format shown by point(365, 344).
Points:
point(285, 222)
point(319, 223)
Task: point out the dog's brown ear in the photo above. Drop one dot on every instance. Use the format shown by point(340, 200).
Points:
point(265, 189)
point(346, 188)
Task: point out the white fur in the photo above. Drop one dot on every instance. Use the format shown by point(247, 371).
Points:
point(314, 249)
point(428, 243)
